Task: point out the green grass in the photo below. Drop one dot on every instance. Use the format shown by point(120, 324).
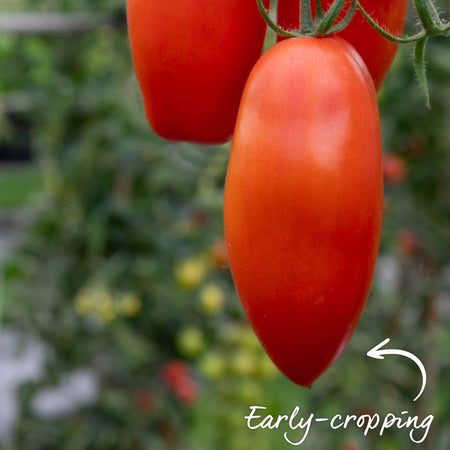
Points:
point(18, 183)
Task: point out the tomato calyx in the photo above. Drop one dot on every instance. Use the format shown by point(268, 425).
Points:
point(324, 24)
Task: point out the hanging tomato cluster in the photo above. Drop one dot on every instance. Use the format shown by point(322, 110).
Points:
point(303, 192)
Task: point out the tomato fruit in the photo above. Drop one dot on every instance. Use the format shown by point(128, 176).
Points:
point(394, 169)
point(192, 60)
point(303, 201)
point(177, 376)
point(376, 51)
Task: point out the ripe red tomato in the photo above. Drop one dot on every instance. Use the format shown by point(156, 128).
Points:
point(177, 376)
point(218, 254)
point(192, 60)
point(394, 169)
point(303, 201)
point(376, 51)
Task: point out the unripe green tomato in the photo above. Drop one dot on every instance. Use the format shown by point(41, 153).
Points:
point(231, 333)
point(250, 392)
point(243, 363)
point(190, 341)
point(213, 365)
point(211, 299)
point(190, 272)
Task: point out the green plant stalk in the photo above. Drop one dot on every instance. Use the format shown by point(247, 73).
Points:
point(435, 14)
point(306, 22)
point(272, 24)
point(346, 20)
point(319, 10)
point(330, 17)
point(390, 37)
point(419, 63)
point(426, 17)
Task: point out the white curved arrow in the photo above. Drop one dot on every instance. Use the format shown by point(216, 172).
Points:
point(377, 353)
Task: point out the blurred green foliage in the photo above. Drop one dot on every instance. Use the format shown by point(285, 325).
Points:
point(122, 269)
point(17, 185)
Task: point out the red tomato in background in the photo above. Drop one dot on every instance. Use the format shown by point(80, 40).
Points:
point(192, 59)
point(376, 51)
point(176, 375)
point(394, 169)
point(303, 201)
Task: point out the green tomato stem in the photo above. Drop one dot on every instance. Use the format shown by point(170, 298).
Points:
point(346, 20)
point(425, 15)
point(306, 22)
point(421, 70)
point(435, 15)
point(319, 10)
point(271, 23)
point(390, 37)
point(330, 17)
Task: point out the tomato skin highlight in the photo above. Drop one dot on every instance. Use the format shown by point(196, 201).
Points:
point(192, 60)
point(303, 201)
point(376, 51)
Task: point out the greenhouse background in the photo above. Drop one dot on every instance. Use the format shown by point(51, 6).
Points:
point(119, 324)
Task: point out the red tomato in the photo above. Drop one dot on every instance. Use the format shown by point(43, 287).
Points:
point(176, 375)
point(218, 254)
point(192, 60)
point(173, 371)
point(376, 51)
point(186, 391)
point(303, 201)
point(394, 169)
point(349, 446)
